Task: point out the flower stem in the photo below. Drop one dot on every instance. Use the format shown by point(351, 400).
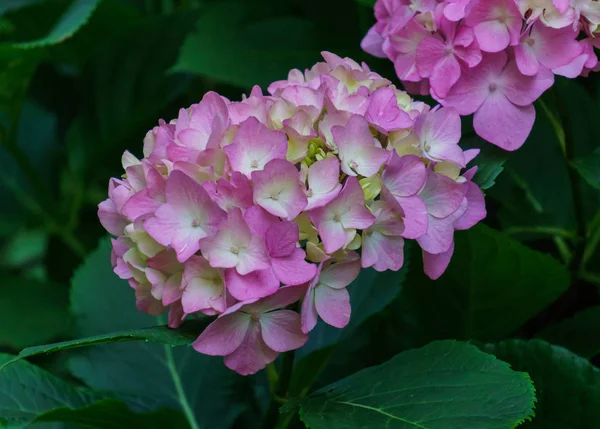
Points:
point(187, 409)
point(280, 391)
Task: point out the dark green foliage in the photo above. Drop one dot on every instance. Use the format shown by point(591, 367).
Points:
point(81, 81)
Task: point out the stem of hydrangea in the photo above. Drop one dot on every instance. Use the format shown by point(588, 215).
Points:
point(281, 390)
point(185, 405)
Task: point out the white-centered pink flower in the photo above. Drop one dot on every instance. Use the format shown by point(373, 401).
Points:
point(278, 190)
point(359, 152)
point(188, 216)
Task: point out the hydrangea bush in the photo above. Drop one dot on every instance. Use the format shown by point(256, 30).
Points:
point(490, 58)
point(261, 212)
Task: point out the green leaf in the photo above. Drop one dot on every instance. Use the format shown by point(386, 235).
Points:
point(27, 391)
point(30, 394)
point(234, 43)
point(444, 385)
point(101, 302)
point(112, 413)
point(568, 386)
point(73, 18)
point(184, 336)
point(42, 305)
point(492, 286)
point(589, 168)
point(580, 334)
point(490, 161)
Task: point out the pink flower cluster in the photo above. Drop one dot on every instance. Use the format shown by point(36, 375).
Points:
point(241, 209)
point(491, 58)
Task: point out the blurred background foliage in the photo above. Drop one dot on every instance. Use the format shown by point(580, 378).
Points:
point(83, 80)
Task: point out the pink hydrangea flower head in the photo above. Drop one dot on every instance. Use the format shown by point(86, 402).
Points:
point(240, 210)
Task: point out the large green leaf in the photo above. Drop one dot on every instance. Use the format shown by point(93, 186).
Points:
point(567, 386)
point(589, 168)
point(27, 391)
point(444, 385)
point(180, 377)
point(30, 394)
point(112, 413)
point(41, 305)
point(493, 285)
point(580, 334)
point(184, 336)
point(75, 16)
point(230, 44)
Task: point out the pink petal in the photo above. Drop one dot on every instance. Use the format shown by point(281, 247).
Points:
point(526, 60)
point(340, 275)
point(441, 194)
point(257, 284)
point(435, 265)
point(259, 220)
point(430, 52)
point(475, 208)
point(282, 298)
point(333, 305)
point(252, 355)
point(204, 287)
point(404, 176)
point(293, 269)
point(445, 75)
point(188, 216)
point(281, 239)
point(277, 189)
point(176, 315)
point(382, 252)
point(473, 87)
point(281, 330)
point(224, 335)
point(172, 289)
point(357, 150)
point(254, 145)
point(384, 113)
point(309, 316)
point(492, 36)
point(524, 90)
point(372, 42)
point(439, 236)
point(502, 123)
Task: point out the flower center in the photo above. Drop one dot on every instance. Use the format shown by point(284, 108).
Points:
point(336, 218)
point(254, 164)
point(493, 87)
point(235, 250)
point(353, 165)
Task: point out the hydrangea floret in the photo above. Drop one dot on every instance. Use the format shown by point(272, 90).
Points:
point(490, 58)
point(261, 212)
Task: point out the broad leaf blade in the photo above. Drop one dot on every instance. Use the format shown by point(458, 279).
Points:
point(101, 302)
point(493, 285)
point(184, 336)
point(42, 304)
point(112, 413)
point(589, 168)
point(231, 45)
point(444, 385)
point(490, 161)
point(73, 18)
point(27, 391)
point(580, 334)
point(567, 386)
